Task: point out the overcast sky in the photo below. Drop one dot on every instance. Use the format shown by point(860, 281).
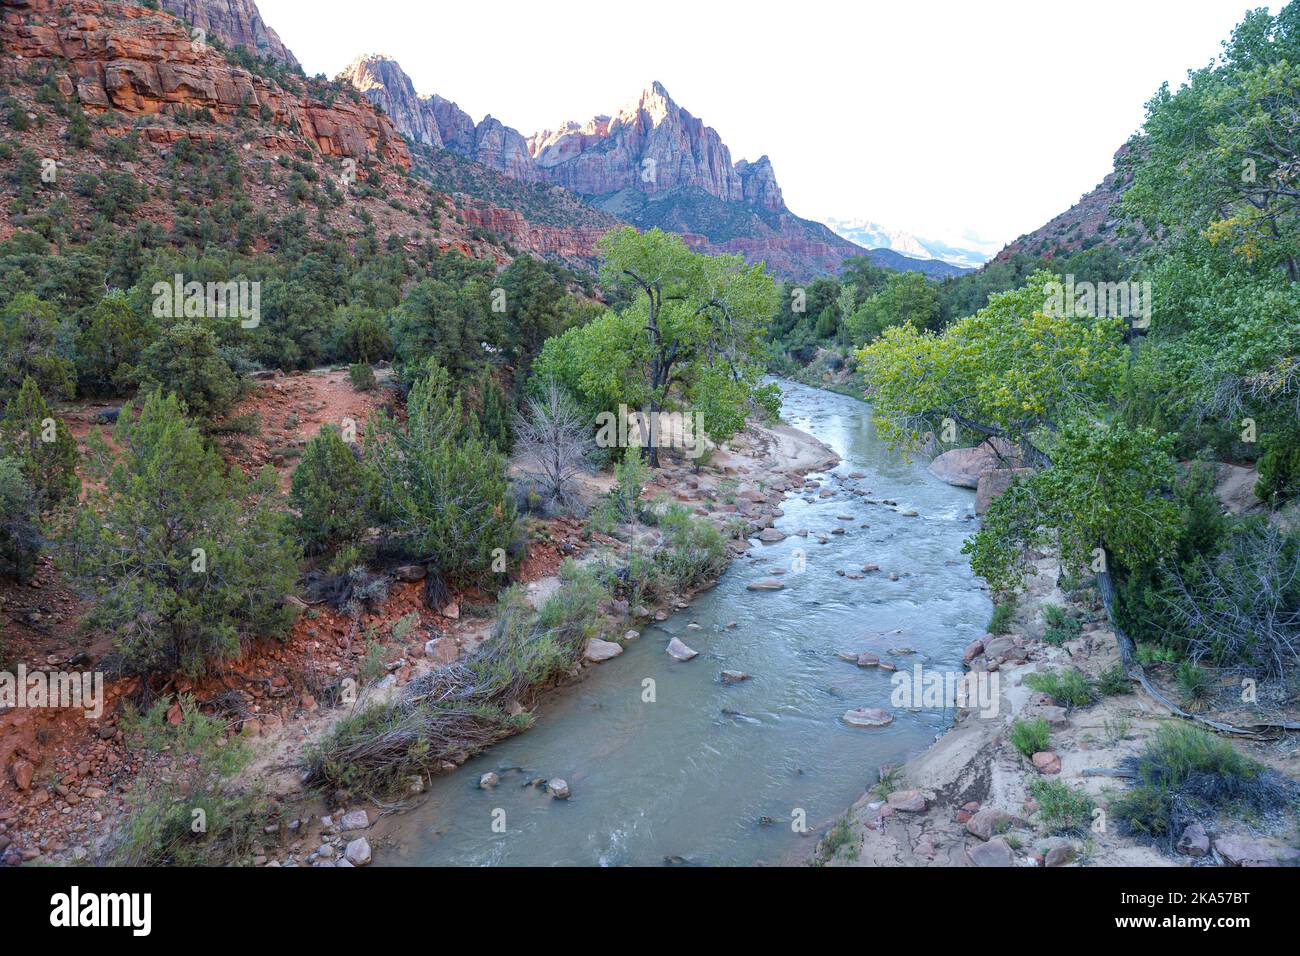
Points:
point(938, 118)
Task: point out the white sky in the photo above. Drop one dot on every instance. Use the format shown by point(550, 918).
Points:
point(939, 118)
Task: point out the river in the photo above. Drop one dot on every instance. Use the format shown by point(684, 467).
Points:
point(709, 773)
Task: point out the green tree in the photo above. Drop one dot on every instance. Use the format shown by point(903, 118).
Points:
point(441, 494)
point(496, 412)
point(332, 493)
point(29, 333)
point(20, 536)
point(42, 446)
point(185, 555)
point(186, 360)
point(109, 345)
point(907, 298)
point(1015, 369)
point(1103, 501)
point(693, 318)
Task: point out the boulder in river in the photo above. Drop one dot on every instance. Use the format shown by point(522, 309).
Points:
point(771, 535)
point(489, 780)
point(598, 650)
point(734, 677)
point(765, 584)
point(679, 651)
point(868, 717)
point(558, 788)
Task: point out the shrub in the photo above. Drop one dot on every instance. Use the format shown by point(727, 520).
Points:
point(1113, 682)
point(1003, 614)
point(186, 781)
point(1062, 626)
point(362, 377)
point(186, 555)
point(1186, 774)
point(186, 360)
point(1031, 736)
point(693, 551)
point(441, 494)
point(1195, 685)
point(1062, 808)
point(331, 492)
point(29, 334)
point(1068, 688)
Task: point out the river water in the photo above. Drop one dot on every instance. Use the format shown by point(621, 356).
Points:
point(720, 774)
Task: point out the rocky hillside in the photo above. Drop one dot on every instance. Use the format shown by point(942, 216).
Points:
point(235, 23)
point(651, 164)
point(143, 66)
point(138, 75)
point(1090, 221)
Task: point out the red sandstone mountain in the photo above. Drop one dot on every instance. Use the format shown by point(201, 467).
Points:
point(651, 164)
point(235, 23)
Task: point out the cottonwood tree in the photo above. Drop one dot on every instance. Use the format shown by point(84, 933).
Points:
point(693, 318)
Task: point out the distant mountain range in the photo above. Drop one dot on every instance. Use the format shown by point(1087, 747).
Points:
point(970, 255)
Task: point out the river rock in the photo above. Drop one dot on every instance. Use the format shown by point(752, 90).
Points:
point(1046, 762)
point(734, 677)
point(973, 650)
point(598, 650)
point(558, 788)
point(993, 484)
point(771, 535)
point(963, 466)
point(488, 780)
point(989, 821)
point(868, 717)
point(766, 584)
point(1194, 841)
point(996, 852)
point(867, 659)
point(355, 820)
point(631, 635)
point(679, 651)
point(358, 852)
point(907, 801)
point(1250, 851)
